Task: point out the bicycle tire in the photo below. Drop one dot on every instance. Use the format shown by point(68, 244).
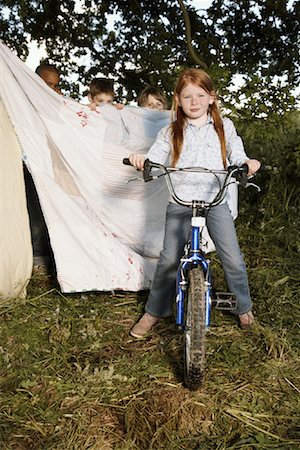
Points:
point(194, 332)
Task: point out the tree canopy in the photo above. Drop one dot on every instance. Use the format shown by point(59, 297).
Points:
point(140, 42)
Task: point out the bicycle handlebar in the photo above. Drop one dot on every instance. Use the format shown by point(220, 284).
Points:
point(239, 173)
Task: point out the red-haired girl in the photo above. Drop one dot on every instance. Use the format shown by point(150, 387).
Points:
point(198, 136)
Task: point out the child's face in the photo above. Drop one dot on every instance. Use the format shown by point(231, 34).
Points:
point(102, 99)
point(195, 102)
point(153, 103)
point(51, 78)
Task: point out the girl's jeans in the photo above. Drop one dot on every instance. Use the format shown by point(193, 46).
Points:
point(222, 231)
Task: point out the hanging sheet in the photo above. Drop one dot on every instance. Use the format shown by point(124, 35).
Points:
point(105, 234)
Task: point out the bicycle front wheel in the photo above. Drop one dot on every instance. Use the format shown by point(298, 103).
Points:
point(194, 332)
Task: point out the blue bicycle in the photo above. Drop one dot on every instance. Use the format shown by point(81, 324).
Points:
point(194, 295)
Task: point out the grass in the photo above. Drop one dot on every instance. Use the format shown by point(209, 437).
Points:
point(71, 378)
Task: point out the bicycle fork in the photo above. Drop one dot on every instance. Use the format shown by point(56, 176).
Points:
point(193, 258)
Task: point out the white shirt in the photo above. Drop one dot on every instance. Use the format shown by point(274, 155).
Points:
point(201, 148)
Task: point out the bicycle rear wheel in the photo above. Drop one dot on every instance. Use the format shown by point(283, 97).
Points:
point(194, 333)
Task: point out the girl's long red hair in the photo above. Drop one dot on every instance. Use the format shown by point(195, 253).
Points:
point(200, 78)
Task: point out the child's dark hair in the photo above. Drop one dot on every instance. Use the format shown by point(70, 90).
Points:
point(101, 86)
point(47, 68)
point(155, 92)
point(199, 78)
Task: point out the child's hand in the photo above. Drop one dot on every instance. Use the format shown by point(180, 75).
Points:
point(137, 160)
point(119, 106)
point(92, 106)
point(253, 165)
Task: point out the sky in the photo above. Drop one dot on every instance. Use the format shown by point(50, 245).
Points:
point(36, 53)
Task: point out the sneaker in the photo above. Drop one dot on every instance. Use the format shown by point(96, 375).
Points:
point(143, 326)
point(246, 320)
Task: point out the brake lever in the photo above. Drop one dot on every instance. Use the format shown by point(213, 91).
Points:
point(254, 186)
point(134, 179)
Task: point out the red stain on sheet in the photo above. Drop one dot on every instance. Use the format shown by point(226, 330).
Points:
point(83, 115)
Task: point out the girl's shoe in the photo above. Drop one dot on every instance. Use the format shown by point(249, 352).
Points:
point(143, 326)
point(246, 320)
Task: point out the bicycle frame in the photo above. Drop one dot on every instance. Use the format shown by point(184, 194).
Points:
point(193, 280)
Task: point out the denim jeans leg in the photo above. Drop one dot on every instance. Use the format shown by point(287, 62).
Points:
point(222, 231)
point(162, 291)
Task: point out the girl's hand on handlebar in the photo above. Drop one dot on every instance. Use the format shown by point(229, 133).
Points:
point(137, 160)
point(253, 165)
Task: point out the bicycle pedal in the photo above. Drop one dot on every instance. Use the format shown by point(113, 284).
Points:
point(224, 300)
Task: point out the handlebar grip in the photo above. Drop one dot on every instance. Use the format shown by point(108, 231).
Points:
point(265, 167)
point(126, 162)
point(262, 168)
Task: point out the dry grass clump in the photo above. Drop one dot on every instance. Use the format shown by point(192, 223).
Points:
point(166, 414)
